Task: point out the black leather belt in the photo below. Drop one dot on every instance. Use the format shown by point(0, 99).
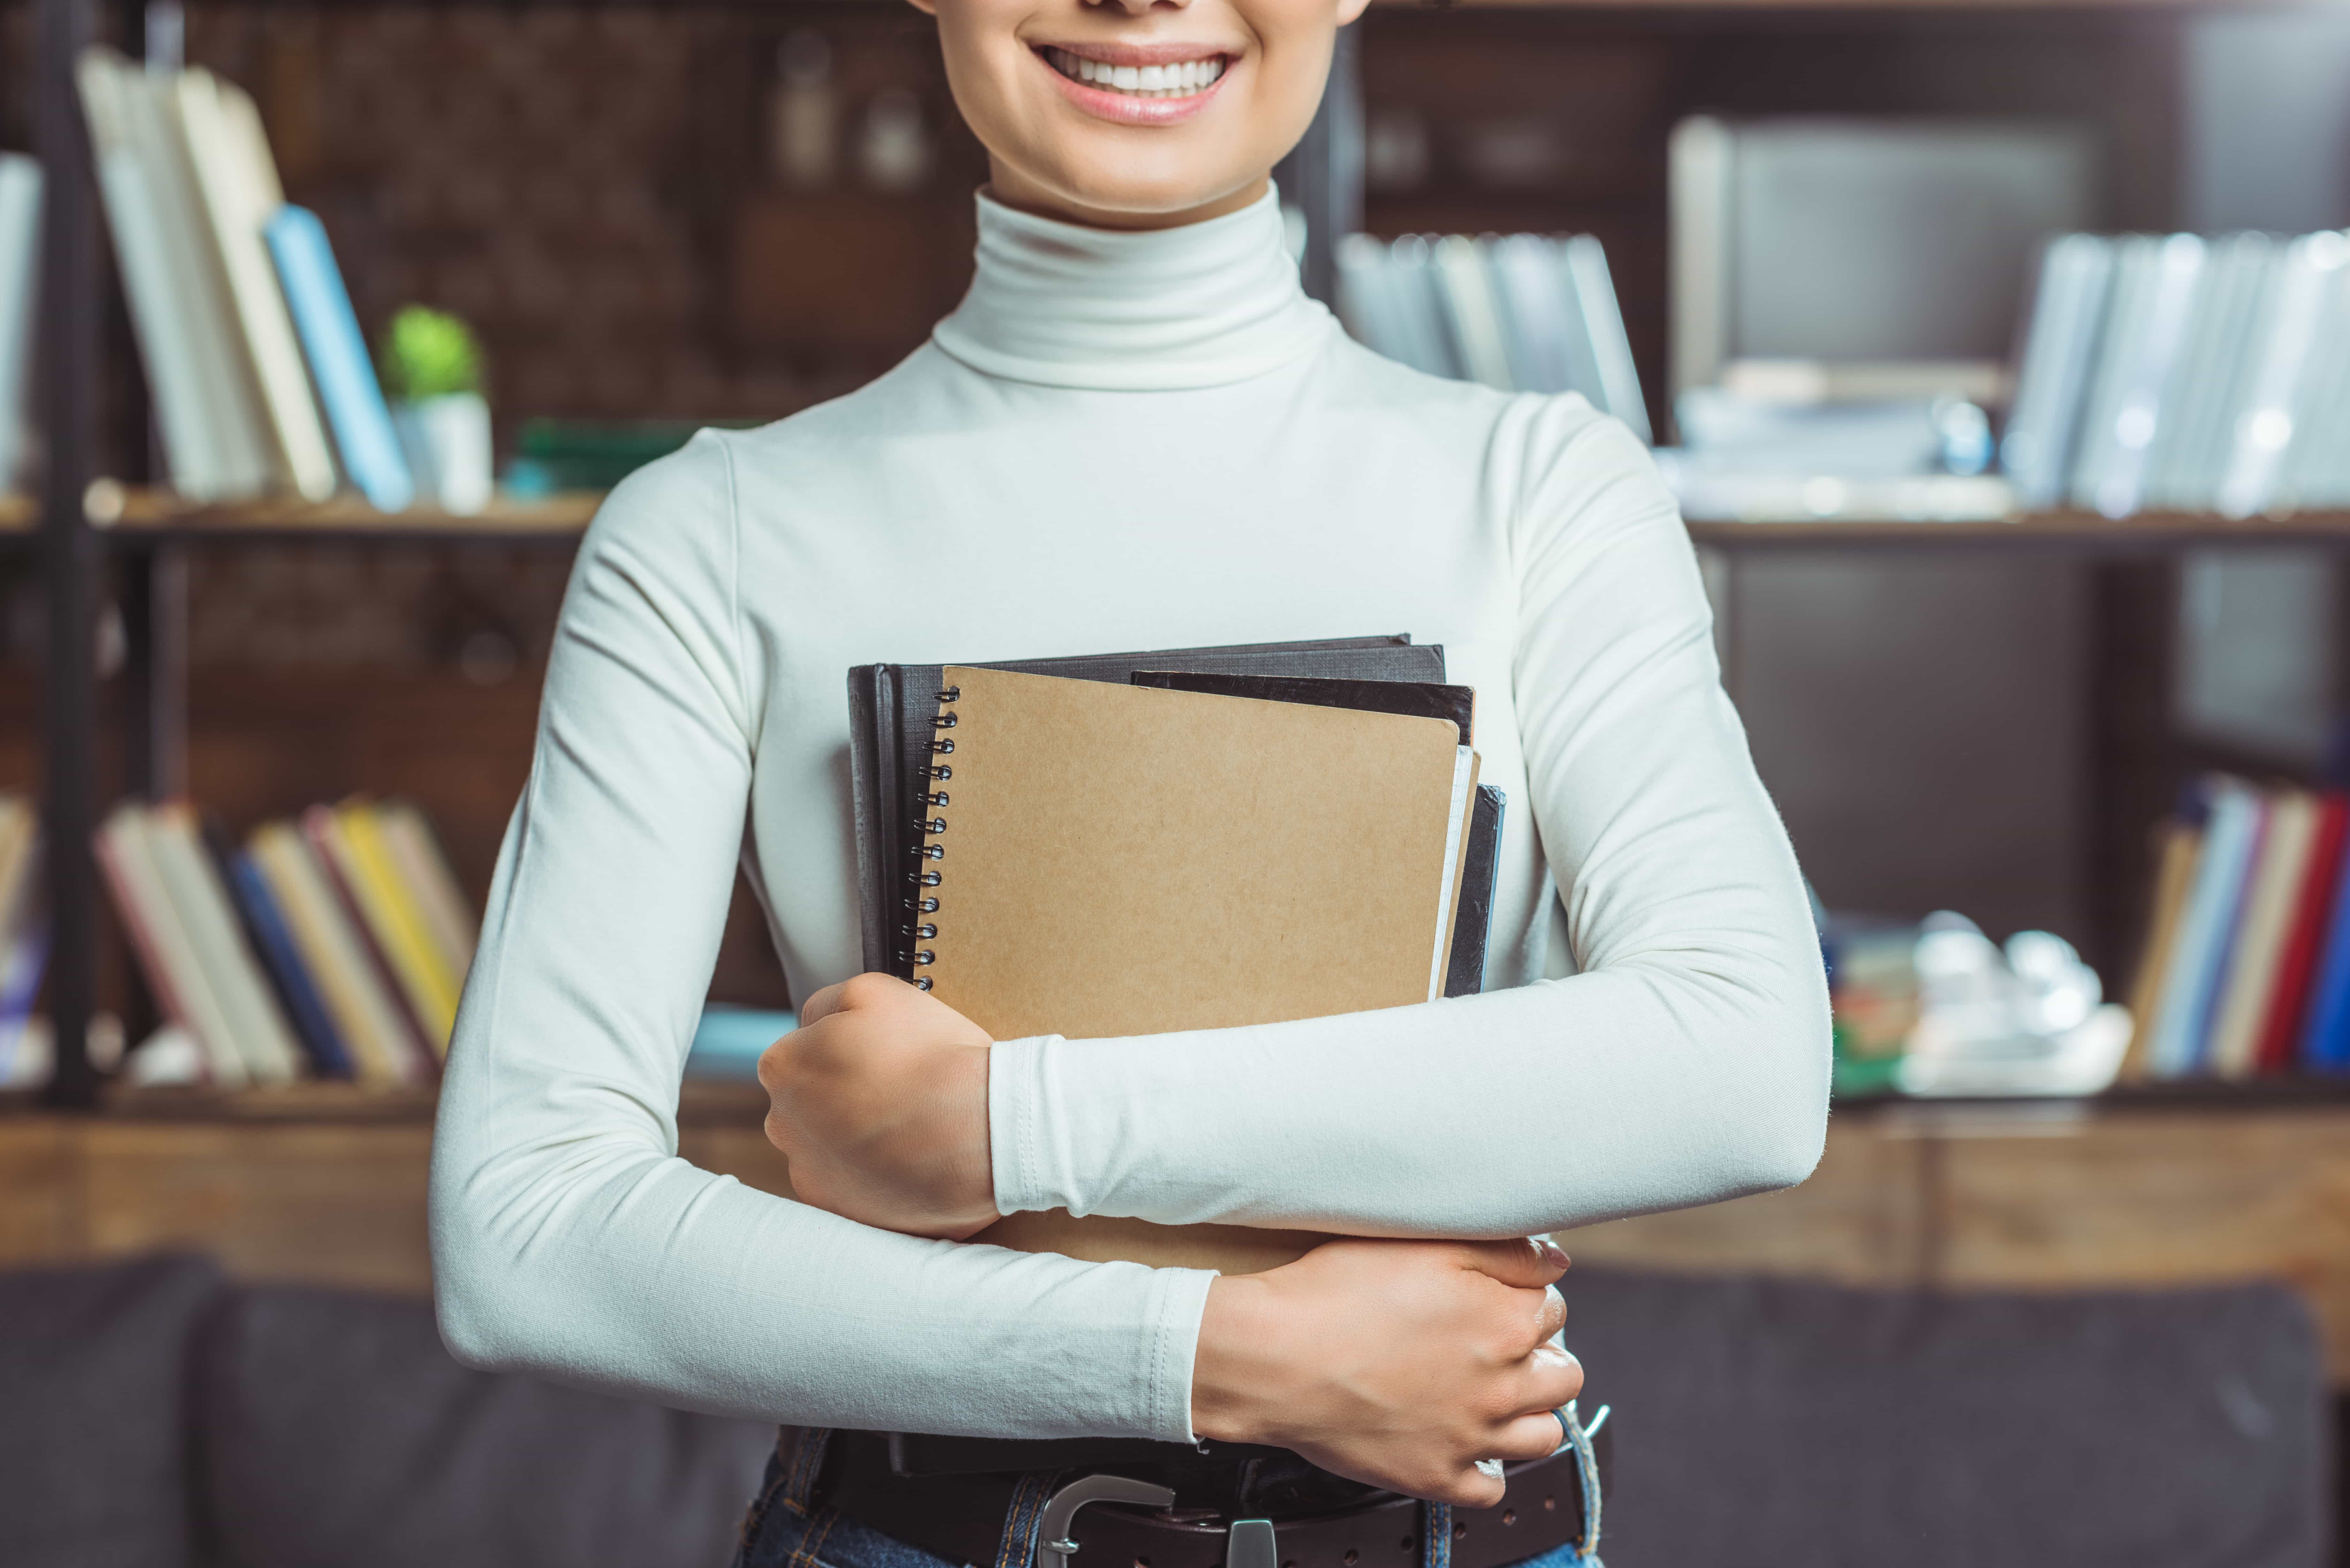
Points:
point(1320, 1521)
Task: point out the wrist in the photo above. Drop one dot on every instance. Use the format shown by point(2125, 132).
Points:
point(1237, 1368)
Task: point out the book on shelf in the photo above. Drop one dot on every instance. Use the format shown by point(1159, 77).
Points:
point(350, 845)
point(2177, 372)
point(1522, 313)
point(384, 1048)
point(2245, 970)
point(338, 353)
point(24, 930)
point(201, 386)
point(20, 256)
point(219, 272)
point(237, 193)
point(1006, 815)
point(262, 955)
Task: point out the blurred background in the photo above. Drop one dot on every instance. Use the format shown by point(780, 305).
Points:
point(1999, 352)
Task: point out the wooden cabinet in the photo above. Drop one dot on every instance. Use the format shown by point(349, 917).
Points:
point(331, 1189)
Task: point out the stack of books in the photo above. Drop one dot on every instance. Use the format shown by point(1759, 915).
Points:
point(332, 946)
point(1133, 843)
point(1524, 312)
point(2172, 372)
point(252, 351)
point(2246, 969)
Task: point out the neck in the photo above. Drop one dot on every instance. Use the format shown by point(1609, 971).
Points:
point(1023, 195)
point(1057, 302)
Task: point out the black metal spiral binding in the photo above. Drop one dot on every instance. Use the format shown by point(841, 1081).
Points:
point(938, 772)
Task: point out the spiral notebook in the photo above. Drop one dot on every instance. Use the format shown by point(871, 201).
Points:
point(889, 712)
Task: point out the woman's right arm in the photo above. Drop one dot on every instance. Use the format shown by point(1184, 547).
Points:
point(568, 1239)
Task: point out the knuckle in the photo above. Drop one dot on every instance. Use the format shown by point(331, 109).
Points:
point(868, 990)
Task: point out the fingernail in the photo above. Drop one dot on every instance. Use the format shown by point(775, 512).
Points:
point(1552, 1297)
point(1552, 1355)
point(1489, 1467)
point(1551, 1253)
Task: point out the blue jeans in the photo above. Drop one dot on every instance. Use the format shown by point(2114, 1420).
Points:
point(784, 1529)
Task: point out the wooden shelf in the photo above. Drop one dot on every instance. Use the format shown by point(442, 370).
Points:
point(699, 1104)
point(2074, 532)
point(139, 516)
point(744, 1104)
point(2021, 1196)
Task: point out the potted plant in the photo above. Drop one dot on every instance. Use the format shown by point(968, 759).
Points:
point(432, 371)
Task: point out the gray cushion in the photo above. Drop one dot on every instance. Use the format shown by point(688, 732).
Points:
point(93, 1413)
point(1772, 1424)
point(336, 1432)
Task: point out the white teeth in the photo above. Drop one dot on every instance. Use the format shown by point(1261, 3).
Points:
point(1178, 80)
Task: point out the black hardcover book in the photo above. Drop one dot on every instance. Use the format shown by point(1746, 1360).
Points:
point(890, 707)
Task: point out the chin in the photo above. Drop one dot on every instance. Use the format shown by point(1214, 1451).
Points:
point(1118, 180)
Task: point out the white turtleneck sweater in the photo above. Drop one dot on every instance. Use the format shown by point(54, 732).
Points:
point(1117, 441)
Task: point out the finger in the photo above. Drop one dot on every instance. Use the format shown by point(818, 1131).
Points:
point(1534, 1437)
point(775, 1062)
point(1473, 1487)
point(1529, 1262)
point(823, 1004)
point(1550, 1377)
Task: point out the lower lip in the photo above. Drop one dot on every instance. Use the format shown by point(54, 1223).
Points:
point(1124, 108)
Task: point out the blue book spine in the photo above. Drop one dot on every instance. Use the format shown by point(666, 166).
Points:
point(2204, 929)
point(21, 968)
point(340, 366)
point(311, 1021)
point(2325, 1034)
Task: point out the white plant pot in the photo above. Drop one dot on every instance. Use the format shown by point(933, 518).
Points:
point(447, 440)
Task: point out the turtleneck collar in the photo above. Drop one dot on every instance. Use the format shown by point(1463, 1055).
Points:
point(1152, 310)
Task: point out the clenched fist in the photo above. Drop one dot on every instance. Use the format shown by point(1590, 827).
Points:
point(879, 1101)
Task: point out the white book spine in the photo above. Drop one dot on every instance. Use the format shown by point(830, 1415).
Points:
point(218, 122)
point(237, 458)
point(20, 253)
point(2263, 430)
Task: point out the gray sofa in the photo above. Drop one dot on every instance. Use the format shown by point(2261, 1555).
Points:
point(153, 1414)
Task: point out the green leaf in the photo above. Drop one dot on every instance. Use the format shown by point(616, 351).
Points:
point(427, 353)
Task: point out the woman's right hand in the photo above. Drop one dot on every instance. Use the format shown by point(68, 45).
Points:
point(1399, 1364)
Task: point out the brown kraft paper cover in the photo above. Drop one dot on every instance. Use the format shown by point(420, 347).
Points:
point(1125, 860)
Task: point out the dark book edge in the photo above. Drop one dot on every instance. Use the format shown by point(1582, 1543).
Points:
point(1409, 698)
point(281, 961)
point(1472, 927)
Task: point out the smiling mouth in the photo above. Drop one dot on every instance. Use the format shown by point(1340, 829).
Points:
point(1179, 78)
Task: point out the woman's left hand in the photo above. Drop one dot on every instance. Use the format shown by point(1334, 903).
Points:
point(879, 1101)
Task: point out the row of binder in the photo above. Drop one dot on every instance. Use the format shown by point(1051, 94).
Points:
point(2175, 372)
point(1521, 313)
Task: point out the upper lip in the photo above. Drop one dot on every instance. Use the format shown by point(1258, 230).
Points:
point(1141, 54)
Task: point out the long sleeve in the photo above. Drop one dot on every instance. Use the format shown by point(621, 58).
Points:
point(569, 1238)
point(1685, 1061)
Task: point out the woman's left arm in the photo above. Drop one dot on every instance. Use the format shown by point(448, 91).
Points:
point(1687, 1062)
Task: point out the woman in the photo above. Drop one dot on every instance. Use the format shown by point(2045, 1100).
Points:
point(1135, 432)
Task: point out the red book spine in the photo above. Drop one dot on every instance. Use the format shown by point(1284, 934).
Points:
point(2312, 917)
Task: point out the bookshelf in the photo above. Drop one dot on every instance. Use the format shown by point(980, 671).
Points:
point(93, 537)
